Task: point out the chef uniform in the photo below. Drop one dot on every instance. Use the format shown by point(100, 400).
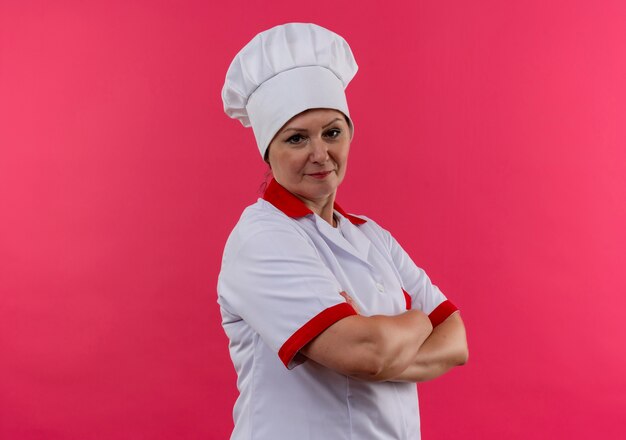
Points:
point(284, 267)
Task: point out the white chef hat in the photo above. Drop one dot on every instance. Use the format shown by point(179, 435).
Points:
point(284, 71)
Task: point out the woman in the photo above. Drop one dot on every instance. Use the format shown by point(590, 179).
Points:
point(330, 322)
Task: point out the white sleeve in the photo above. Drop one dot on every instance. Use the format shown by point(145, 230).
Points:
point(420, 292)
point(277, 283)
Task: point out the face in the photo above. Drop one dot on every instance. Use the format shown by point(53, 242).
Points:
point(309, 154)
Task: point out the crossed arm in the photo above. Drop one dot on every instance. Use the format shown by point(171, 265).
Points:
point(403, 348)
point(444, 349)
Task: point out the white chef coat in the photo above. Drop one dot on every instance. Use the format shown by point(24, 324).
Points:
point(282, 273)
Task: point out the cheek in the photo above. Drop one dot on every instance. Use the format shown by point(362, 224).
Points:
point(287, 163)
point(342, 156)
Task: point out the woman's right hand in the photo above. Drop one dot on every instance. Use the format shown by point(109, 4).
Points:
point(350, 301)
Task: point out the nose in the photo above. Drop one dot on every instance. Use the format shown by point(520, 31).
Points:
point(319, 151)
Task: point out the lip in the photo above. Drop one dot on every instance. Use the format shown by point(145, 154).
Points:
point(321, 175)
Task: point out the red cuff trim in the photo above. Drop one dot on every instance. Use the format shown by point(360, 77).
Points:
point(441, 312)
point(311, 329)
point(408, 299)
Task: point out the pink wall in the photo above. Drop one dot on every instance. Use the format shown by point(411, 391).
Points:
point(490, 138)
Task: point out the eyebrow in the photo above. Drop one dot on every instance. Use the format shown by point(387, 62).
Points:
point(304, 129)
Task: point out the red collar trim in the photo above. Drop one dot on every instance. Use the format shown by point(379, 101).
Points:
point(294, 207)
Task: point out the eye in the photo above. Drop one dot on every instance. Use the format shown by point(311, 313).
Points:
point(295, 139)
point(333, 133)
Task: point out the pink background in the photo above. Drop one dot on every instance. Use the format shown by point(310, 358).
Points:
point(490, 139)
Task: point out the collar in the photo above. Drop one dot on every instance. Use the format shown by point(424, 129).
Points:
point(293, 207)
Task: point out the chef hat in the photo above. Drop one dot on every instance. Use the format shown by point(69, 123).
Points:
point(284, 71)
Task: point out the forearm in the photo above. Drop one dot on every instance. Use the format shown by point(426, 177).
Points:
point(444, 349)
point(375, 348)
point(396, 343)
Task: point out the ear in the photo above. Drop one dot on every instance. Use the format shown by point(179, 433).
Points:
point(266, 157)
